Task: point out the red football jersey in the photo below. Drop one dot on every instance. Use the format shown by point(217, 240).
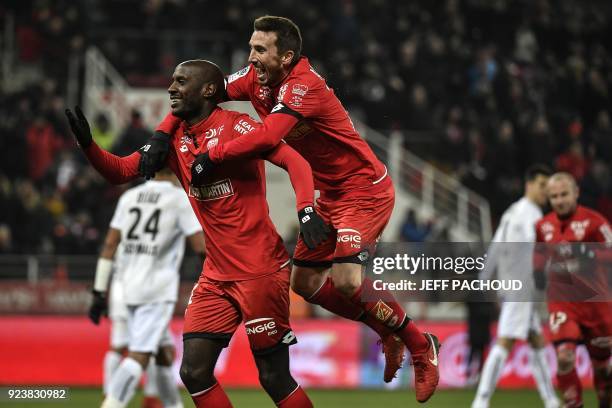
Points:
point(241, 240)
point(584, 225)
point(324, 134)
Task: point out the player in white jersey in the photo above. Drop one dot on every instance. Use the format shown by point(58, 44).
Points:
point(511, 254)
point(119, 339)
point(150, 222)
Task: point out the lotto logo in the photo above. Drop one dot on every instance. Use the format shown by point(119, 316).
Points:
point(199, 168)
point(382, 311)
point(288, 338)
point(308, 210)
point(266, 324)
point(146, 148)
point(305, 219)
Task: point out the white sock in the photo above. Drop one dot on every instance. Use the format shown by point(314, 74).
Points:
point(168, 390)
point(123, 383)
point(541, 373)
point(150, 386)
point(112, 359)
point(491, 372)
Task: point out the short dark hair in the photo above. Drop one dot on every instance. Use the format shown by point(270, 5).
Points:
point(288, 36)
point(536, 170)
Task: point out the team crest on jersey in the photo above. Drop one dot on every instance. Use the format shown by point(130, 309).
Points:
point(214, 191)
point(213, 132)
point(212, 143)
point(295, 101)
point(547, 231)
point(579, 228)
point(238, 74)
point(264, 93)
point(281, 93)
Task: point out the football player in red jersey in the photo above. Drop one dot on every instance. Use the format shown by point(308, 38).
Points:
point(357, 195)
point(237, 283)
point(573, 321)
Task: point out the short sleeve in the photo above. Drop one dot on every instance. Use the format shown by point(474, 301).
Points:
point(187, 220)
point(237, 84)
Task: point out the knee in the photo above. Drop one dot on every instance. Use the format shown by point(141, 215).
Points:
point(165, 356)
point(275, 382)
point(565, 361)
point(347, 287)
point(141, 358)
point(196, 377)
point(505, 342)
point(306, 284)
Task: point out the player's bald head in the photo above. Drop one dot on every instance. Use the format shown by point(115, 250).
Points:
point(563, 177)
point(562, 193)
point(205, 71)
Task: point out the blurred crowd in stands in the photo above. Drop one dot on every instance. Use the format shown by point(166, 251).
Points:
point(482, 88)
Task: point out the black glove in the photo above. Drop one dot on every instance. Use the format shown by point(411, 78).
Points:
point(153, 155)
point(80, 127)
point(312, 227)
point(98, 307)
point(201, 167)
point(539, 278)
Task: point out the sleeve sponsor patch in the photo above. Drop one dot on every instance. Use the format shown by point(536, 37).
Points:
point(238, 74)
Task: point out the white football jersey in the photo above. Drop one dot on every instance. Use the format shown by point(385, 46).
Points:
point(511, 251)
point(154, 218)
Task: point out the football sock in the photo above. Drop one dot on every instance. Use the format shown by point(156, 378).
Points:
point(571, 389)
point(123, 383)
point(328, 297)
point(491, 372)
point(297, 399)
point(211, 397)
point(602, 380)
point(390, 313)
point(150, 386)
point(168, 391)
point(112, 359)
point(541, 373)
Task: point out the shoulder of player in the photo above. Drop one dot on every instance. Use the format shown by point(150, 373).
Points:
point(239, 74)
point(593, 215)
point(549, 217)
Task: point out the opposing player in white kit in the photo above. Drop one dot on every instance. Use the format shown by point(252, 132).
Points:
point(511, 253)
point(151, 222)
point(119, 339)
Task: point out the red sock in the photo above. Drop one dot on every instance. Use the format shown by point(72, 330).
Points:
point(571, 389)
point(602, 380)
point(387, 311)
point(297, 399)
point(213, 397)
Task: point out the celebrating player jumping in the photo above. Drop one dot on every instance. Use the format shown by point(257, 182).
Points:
point(357, 195)
point(246, 274)
point(567, 261)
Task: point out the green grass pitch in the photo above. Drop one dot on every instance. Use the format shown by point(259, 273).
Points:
point(88, 397)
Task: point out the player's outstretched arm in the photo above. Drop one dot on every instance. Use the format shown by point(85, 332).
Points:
point(115, 169)
point(312, 227)
point(264, 138)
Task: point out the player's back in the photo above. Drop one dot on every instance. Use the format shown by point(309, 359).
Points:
point(513, 242)
point(325, 135)
point(152, 241)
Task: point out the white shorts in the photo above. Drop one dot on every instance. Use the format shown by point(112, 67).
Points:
point(148, 326)
point(517, 319)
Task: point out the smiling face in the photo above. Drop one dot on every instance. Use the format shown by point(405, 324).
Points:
point(186, 91)
point(270, 66)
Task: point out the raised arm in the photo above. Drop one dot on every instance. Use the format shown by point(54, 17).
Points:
point(115, 169)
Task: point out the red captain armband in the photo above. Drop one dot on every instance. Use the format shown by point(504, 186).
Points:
point(169, 124)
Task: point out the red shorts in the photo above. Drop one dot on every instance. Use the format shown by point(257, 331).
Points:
point(358, 218)
point(582, 322)
point(216, 308)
